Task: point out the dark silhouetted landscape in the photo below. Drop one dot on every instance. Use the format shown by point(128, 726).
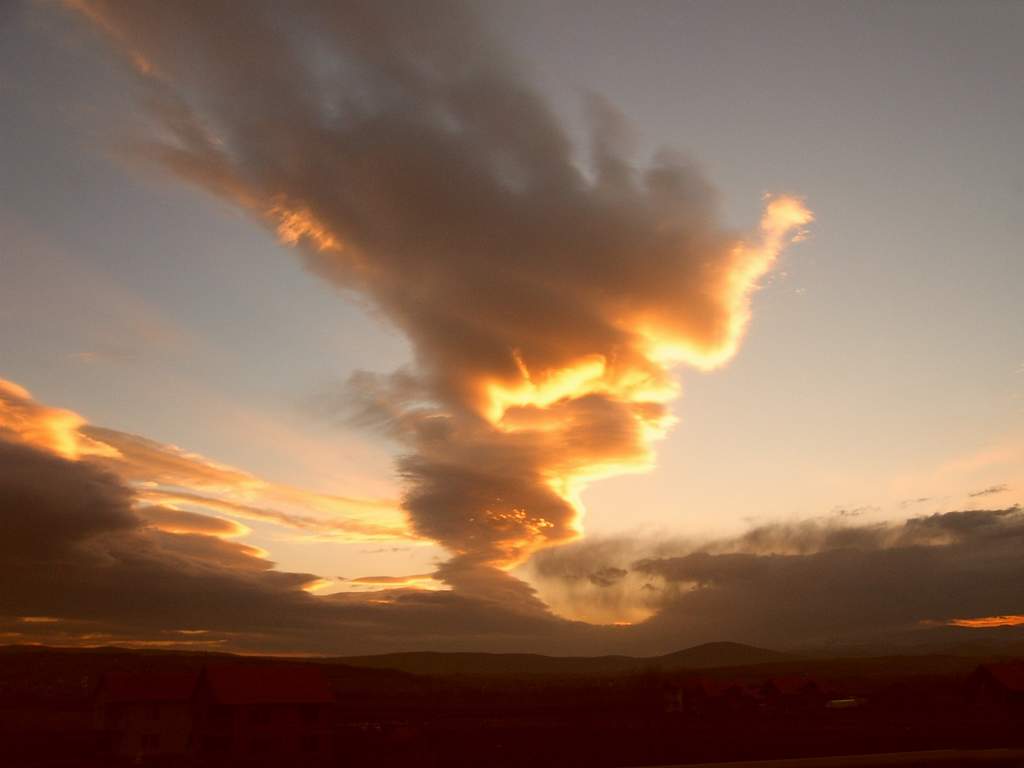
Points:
point(720, 702)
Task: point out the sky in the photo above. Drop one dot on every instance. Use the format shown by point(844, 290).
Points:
point(568, 327)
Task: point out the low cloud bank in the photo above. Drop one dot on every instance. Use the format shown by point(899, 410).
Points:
point(806, 583)
point(83, 561)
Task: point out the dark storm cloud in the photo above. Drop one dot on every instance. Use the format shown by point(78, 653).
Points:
point(545, 297)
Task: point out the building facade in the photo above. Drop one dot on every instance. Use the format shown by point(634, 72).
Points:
point(225, 713)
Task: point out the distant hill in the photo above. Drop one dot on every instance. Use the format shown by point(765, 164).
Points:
point(439, 663)
point(928, 652)
point(705, 656)
point(994, 642)
point(710, 655)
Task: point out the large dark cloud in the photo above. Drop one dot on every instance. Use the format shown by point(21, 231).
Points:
point(72, 547)
point(545, 295)
point(806, 584)
point(52, 505)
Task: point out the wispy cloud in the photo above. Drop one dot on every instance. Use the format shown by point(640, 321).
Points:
point(170, 477)
point(988, 622)
point(992, 490)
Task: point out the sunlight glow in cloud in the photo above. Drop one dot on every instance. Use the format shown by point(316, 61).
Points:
point(52, 429)
point(410, 163)
point(526, 405)
point(294, 226)
point(988, 622)
point(186, 487)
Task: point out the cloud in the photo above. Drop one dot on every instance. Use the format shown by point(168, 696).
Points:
point(910, 502)
point(607, 576)
point(88, 557)
point(324, 529)
point(392, 580)
point(80, 564)
point(988, 622)
point(808, 583)
point(51, 504)
point(51, 429)
point(169, 477)
point(546, 299)
point(83, 562)
point(990, 491)
point(72, 547)
point(181, 521)
point(592, 579)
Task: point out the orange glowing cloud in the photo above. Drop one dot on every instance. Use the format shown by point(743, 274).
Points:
point(298, 225)
point(173, 520)
point(182, 492)
point(534, 404)
point(427, 581)
point(783, 222)
point(988, 622)
point(40, 426)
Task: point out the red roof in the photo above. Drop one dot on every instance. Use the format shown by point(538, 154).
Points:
point(1009, 675)
point(125, 687)
point(237, 684)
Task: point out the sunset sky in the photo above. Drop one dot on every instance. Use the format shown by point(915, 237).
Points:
point(571, 327)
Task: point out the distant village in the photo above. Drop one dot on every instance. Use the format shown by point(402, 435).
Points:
point(64, 708)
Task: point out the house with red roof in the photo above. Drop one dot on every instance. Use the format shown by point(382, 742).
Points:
point(225, 713)
point(146, 715)
point(263, 713)
point(791, 693)
point(999, 687)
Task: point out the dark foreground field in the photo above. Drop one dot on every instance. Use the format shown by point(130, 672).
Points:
point(56, 710)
